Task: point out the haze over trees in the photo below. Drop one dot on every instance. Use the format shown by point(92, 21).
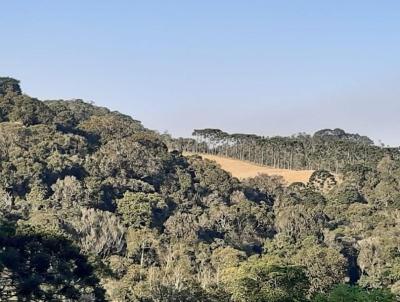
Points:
point(93, 207)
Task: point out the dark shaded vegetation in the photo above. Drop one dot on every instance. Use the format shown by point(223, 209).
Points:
point(43, 267)
point(93, 207)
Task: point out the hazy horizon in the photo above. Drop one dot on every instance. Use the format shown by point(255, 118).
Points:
point(257, 67)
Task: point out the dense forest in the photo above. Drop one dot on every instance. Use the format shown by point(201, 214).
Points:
point(95, 207)
point(327, 149)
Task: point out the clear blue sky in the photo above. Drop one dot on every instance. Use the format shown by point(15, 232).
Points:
point(265, 67)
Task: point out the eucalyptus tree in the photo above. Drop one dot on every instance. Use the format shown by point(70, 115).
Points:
point(326, 149)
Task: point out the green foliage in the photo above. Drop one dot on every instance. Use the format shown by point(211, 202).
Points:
point(209, 178)
point(141, 156)
point(93, 207)
point(324, 266)
point(260, 280)
point(139, 210)
point(9, 86)
point(300, 221)
point(105, 128)
point(346, 194)
point(379, 259)
point(345, 293)
point(37, 268)
point(322, 181)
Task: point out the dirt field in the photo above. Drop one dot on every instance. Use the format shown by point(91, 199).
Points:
point(242, 169)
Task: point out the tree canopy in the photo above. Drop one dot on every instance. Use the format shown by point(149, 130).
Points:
point(95, 207)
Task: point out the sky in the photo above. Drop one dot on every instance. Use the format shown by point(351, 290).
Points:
point(248, 66)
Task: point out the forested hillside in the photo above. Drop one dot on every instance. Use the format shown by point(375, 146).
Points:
point(328, 149)
point(93, 207)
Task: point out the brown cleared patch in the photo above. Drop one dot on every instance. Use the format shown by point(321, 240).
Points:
point(242, 169)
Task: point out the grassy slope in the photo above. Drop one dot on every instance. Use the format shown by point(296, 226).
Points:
point(243, 169)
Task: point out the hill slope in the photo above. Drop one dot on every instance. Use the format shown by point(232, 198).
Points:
point(93, 207)
point(242, 169)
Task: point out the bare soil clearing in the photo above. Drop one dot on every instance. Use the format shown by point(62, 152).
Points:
point(242, 169)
